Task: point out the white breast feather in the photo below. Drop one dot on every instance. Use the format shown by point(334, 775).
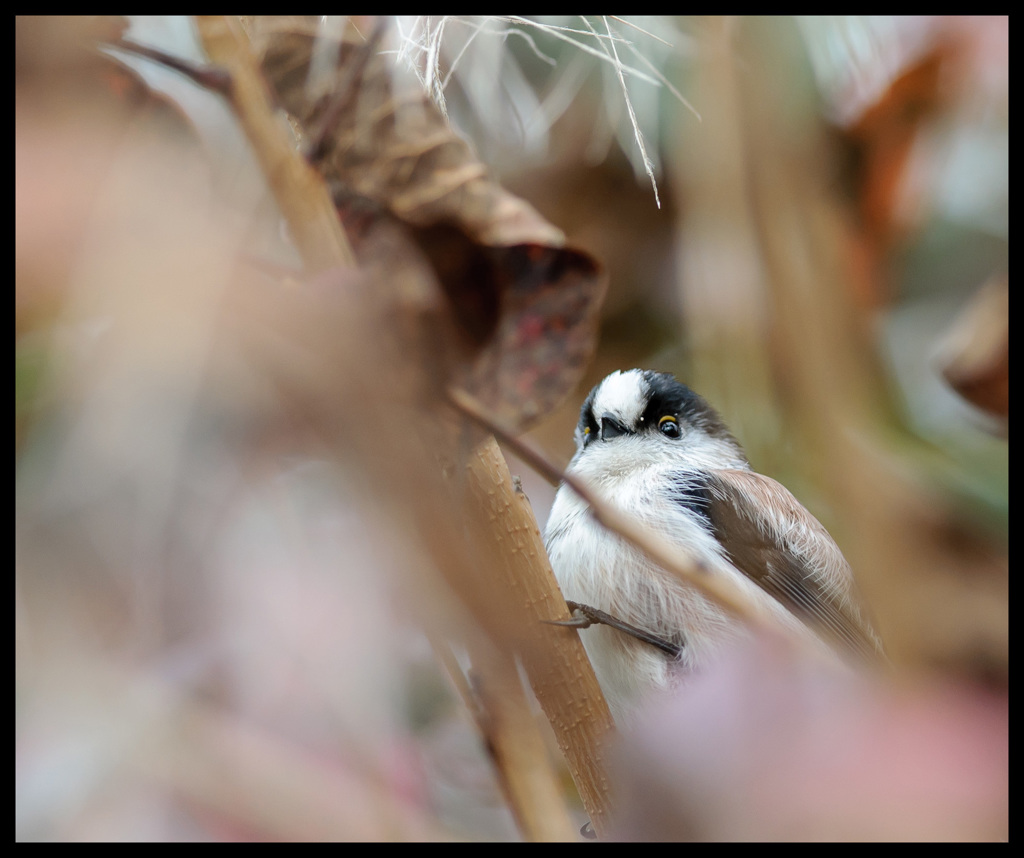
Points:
point(599, 569)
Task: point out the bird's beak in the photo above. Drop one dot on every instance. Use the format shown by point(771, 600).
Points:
point(611, 427)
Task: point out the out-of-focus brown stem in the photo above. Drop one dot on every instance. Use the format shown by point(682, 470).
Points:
point(518, 750)
point(298, 188)
point(496, 700)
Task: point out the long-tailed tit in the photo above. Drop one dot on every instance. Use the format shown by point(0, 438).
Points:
point(659, 452)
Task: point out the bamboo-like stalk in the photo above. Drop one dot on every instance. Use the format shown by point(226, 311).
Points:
point(552, 656)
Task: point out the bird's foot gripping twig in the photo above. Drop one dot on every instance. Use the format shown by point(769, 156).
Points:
point(584, 616)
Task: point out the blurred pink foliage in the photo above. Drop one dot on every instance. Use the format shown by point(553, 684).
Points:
point(770, 748)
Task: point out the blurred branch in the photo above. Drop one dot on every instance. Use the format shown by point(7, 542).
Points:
point(210, 77)
point(299, 189)
point(496, 699)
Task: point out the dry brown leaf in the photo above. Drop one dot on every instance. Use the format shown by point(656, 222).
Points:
point(524, 305)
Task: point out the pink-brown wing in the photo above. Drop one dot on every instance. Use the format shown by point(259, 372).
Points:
point(775, 541)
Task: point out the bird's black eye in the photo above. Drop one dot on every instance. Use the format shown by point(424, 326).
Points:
point(669, 427)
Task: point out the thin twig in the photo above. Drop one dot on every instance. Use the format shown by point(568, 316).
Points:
point(208, 77)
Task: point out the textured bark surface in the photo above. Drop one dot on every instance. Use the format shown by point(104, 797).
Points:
point(553, 656)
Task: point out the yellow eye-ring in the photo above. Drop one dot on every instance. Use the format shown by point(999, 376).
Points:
point(669, 426)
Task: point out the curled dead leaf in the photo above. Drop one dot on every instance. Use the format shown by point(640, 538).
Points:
point(524, 306)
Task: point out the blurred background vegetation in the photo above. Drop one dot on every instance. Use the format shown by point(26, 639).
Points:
point(806, 219)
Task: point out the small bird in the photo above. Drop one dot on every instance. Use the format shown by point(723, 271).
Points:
point(660, 453)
